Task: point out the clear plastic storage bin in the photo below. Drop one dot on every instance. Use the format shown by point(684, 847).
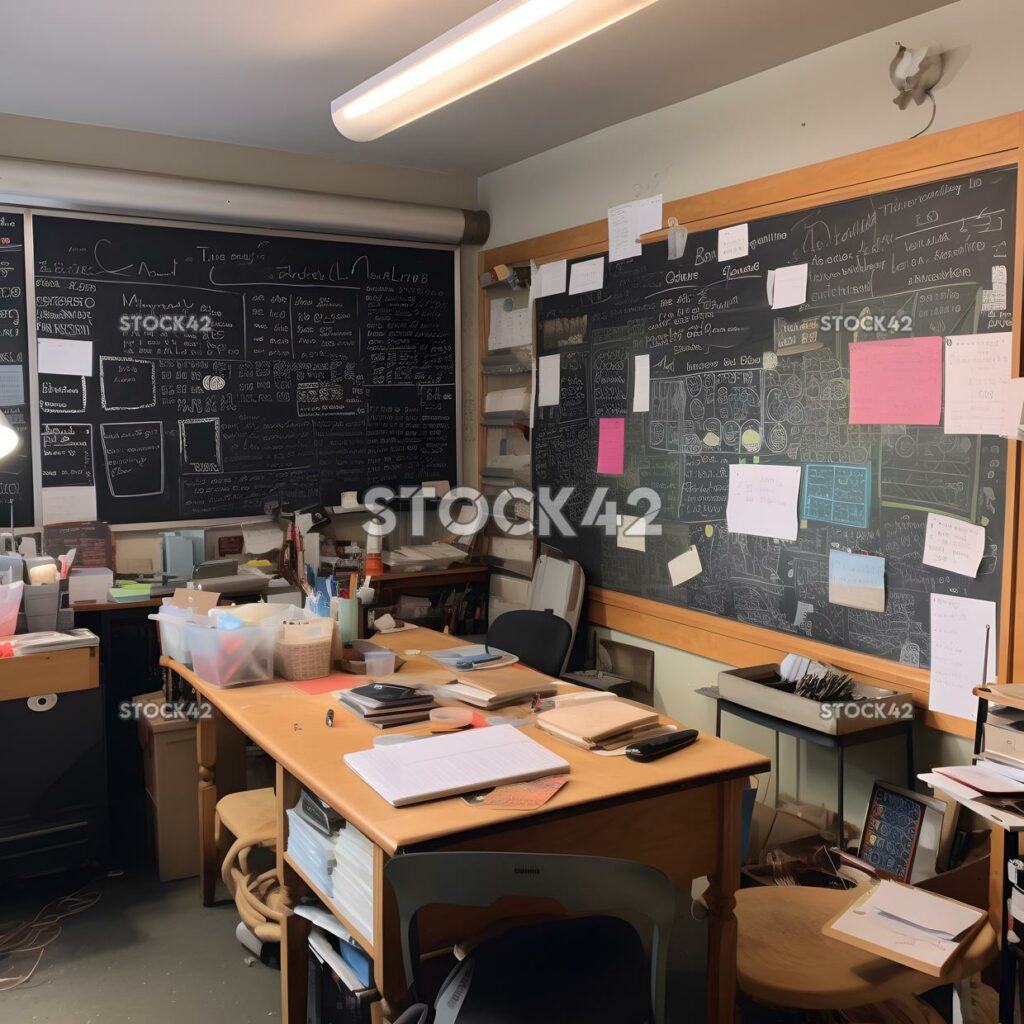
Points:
point(171, 622)
point(230, 657)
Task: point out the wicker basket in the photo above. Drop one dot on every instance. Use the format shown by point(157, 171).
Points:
point(304, 651)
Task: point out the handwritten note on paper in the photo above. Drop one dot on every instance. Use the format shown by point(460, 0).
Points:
point(547, 279)
point(895, 382)
point(626, 222)
point(587, 276)
point(630, 533)
point(958, 653)
point(953, 545)
point(787, 286)
point(611, 446)
point(549, 374)
point(856, 581)
point(641, 384)
point(978, 370)
point(733, 243)
point(66, 356)
point(763, 500)
point(12, 385)
point(685, 566)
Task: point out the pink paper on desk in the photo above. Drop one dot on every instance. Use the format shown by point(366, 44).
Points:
point(611, 446)
point(327, 684)
point(897, 381)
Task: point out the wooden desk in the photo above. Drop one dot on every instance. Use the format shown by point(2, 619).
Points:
point(681, 814)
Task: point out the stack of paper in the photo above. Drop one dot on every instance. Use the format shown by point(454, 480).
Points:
point(493, 689)
point(604, 725)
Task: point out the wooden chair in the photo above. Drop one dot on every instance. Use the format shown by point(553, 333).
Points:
point(250, 818)
point(784, 960)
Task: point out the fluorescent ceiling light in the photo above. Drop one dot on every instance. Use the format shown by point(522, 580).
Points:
point(507, 36)
point(9, 439)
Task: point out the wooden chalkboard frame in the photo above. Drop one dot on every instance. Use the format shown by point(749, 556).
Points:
point(997, 142)
point(29, 211)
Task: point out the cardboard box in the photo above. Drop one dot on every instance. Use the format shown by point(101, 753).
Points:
point(747, 686)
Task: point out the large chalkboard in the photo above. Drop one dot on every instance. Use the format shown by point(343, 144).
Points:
point(733, 380)
point(16, 468)
point(297, 368)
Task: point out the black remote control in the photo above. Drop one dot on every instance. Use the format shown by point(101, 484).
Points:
point(651, 750)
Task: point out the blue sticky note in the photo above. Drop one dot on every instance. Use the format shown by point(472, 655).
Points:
point(856, 581)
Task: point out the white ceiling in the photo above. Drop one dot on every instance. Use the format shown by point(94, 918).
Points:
point(263, 72)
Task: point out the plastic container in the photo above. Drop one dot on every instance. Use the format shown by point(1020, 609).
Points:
point(304, 649)
point(10, 605)
point(379, 663)
point(256, 613)
point(223, 656)
point(171, 622)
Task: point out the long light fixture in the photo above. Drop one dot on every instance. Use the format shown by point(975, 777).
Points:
point(9, 439)
point(500, 40)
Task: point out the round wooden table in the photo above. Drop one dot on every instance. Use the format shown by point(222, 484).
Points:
point(784, 960)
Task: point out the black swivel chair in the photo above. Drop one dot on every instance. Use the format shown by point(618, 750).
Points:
point(539, 639)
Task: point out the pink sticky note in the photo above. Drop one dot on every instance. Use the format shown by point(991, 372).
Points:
point(611, 446)
point(896, 382)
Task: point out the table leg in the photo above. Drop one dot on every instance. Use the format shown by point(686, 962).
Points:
point(718, 719)
point(777, 769)
point(294, 929)
point(840, 811)
point(206, 754)
point(1008, 966)
point(721, 902)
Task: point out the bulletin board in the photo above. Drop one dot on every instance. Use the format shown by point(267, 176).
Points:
point(910, 234)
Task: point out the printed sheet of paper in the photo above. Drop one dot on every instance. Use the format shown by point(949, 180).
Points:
point(67, 356)
point(547, 279)
point(856, 581)
point(953, 545)
point(958, 653)
point(685, 566)
point(69, 504)
point(549, 380)
point(12, 386)
point(509, 328)
point(626, 222)
point(630, 533)
point(1013, 410)
point(733, 242)
point(978, 371)
point(641, 384)
point(896, 382)
point(763, 500)
point(611, 446)
point(787, 286)
point(587, 276)
point(262, 537)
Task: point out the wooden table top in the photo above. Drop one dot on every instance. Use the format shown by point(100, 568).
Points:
point(783, 958)
point(290, 726)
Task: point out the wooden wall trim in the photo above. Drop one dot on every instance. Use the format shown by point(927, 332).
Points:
point(986, 144)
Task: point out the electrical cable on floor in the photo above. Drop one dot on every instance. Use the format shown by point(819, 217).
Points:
point(28, 937)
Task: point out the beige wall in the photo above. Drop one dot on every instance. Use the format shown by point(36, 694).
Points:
point(824, 105)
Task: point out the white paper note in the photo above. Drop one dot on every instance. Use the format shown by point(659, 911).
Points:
point(953, 545)
point(977, 372)
point(587, 276)
point(261, 537)
point(67, 356)
point(12, 385)
point(958, 653)
point(549, 383)
point(509, 328)
point(547, 279)
point(641, 384)
point(685, 566)
point(733, 243)
point(631, 533)
point(763, 500)
point(69, 504)
point(349, 500)
point(626, 222)
point(1013, 410)
point(787, 286)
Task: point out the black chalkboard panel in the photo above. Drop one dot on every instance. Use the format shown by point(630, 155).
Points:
point(732, 380)
point(234, 370)
point(16, 469)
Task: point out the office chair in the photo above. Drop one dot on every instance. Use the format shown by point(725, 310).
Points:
point(539, 639)
point(576, 970)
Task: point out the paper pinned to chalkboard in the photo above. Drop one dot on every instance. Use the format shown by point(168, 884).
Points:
point(65, 356)
point(12, 386)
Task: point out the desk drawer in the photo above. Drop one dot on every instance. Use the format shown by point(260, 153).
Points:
point(52, 672)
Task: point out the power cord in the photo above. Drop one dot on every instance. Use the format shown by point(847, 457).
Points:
point(931, 120)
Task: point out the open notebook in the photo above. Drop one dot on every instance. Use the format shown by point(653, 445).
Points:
point(441, 766)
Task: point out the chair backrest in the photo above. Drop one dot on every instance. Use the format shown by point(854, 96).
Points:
point(582, 885)
point(539, 639)
point(558, 585)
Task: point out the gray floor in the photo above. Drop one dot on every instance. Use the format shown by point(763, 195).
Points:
point(148, 952)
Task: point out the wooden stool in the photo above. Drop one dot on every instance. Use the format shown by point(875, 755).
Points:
point(784, 960)
point(251, 817)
